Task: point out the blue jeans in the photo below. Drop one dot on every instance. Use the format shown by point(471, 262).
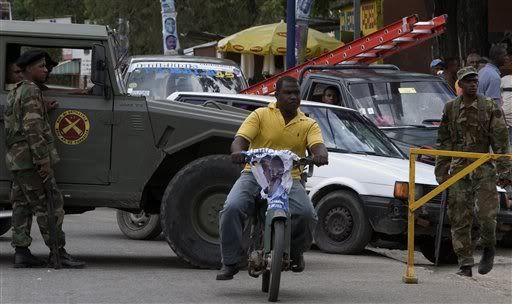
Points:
point(239, 207)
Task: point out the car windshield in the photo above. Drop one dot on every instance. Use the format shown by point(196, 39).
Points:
point(395, 104)
point(347, 132)
point(158, 80)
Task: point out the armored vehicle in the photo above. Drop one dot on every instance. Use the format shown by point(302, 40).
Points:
point(121, 151)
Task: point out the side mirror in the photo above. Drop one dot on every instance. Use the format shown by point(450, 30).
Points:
point(99, 65)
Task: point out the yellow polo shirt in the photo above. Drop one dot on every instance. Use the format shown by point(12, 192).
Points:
point(265, 128)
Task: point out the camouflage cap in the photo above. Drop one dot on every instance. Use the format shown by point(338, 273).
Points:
point(466, 71)
point(30, 57)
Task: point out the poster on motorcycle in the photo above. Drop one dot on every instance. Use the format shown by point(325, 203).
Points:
point(272, 170)
point(169, 29)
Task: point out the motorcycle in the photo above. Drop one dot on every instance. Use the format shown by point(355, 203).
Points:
point(270, 226)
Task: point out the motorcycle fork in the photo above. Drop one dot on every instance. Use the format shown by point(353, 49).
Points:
point(270, 217)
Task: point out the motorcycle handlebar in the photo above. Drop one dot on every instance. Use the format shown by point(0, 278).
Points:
point(303, 161)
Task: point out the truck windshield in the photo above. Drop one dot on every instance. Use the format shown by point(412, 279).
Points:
point(346, 132)
point(158, 80)
point(395, 104)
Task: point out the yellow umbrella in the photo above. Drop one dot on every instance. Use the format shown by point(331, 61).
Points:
point(271, 39)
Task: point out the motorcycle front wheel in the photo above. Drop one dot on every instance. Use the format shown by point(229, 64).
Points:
point(276, 260)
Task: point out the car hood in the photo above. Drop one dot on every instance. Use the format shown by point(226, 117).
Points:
point(374, 169)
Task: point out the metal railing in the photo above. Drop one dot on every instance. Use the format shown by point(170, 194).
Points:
point(481, 158)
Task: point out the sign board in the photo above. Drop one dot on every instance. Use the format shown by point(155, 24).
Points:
point(371, 17)
point(169, 29)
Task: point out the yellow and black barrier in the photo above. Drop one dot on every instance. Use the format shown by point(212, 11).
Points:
point(481, 158)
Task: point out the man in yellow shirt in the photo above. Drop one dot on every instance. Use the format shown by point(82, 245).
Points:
point(280, 126)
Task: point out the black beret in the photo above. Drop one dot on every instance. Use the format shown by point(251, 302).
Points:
point(30, 57)
point(49, 60)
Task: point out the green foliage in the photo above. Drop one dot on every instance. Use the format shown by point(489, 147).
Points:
point(222, 17)
point(32, 9)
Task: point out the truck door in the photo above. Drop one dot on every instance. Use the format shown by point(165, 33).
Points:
point(82, 122)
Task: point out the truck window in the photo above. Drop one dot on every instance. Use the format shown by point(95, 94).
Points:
point(69, 68)
point(394, 104)
point(325, 93)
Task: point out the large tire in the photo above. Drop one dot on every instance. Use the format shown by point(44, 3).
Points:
point(5, 225)
point(139, 226)
point(190, 207)
point(343, 226)
point(276, 266)
point(446, 255)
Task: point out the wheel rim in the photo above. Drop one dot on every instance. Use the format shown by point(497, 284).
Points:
point(205, 214)
point(138, 221)
point(338, 224)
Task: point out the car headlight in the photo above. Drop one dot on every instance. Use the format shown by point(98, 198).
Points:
point(401, 191)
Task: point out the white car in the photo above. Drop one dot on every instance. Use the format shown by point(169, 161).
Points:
point(360, 195)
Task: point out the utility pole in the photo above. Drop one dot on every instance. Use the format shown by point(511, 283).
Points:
point(302, 13)
point(357, 19)
point(290, 34)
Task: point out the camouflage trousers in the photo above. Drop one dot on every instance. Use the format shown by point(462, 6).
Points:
point(28, 199)
point(467, 197)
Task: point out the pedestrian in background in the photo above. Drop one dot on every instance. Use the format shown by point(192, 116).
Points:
point(437, 67)
point(14, 75)
point(483, 61)
point(506, 95)
point(30, 156)
point(473, 123)
point(473, 60)
point(489, 79)
point(450, 72)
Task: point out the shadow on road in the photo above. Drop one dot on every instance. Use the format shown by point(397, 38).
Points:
point(112, 261)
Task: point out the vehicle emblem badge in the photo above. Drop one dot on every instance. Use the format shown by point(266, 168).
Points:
point(72, 127)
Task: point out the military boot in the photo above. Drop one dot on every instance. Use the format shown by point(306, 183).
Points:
point(23, 258)
point(465, 271)
point(66, 260)
point(487, 260)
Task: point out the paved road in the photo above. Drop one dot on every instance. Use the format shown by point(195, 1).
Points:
point(125, 271)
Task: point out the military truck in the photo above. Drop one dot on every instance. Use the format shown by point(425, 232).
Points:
point(121, 151)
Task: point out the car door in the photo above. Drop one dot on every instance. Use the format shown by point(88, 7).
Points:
point(82, 123)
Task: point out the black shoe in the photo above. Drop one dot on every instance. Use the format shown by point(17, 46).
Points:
point(23, 258)
point(298, 264)
point(487, 260)
point(465, 271)
point(227, 272)
point(66, 260)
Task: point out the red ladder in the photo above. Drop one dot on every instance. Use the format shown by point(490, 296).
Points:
point(385, 42)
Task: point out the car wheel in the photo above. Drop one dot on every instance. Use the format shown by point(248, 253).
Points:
point(343, 226)
point(446, 255)
point(191, 205)
point(140, 226)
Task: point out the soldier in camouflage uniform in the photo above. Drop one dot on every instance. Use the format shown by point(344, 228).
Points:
point(473, 123)
point(30, 156)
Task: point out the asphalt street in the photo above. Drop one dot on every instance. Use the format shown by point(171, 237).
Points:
point(120, 270)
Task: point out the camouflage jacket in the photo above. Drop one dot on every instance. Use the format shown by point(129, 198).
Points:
point(29, 140)
point(478, 126)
